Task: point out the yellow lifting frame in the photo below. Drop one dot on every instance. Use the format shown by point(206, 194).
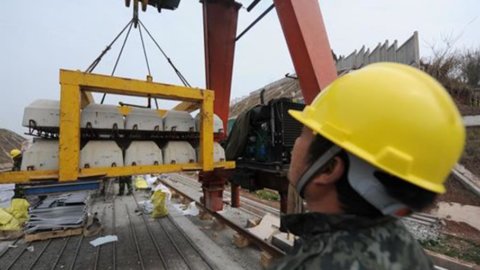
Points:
point(73, 86)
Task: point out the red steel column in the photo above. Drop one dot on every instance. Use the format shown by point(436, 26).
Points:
point(307, 41)
point(220, 29)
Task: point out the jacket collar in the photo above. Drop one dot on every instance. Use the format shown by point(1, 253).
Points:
point(314, 223)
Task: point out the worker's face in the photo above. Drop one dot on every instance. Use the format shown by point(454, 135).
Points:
point(299, 162)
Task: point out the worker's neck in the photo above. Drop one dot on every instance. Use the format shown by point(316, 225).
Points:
point(326, 203)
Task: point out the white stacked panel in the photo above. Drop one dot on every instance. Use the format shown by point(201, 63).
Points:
point(144, 119)
point(217, 124)
point(178, 121)
point(218, 153)
point(42, 155)
point(44, 113)
point(101, 154)
point(177, 152)
point(101, 116)
point(143, 153)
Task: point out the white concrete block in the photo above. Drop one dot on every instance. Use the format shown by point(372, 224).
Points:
point(178, 152)
point(217, 124)
point(41, 155)
point(143, 153)
point(42, 113)
point(101, 154)
point(144, 119)
point(178, 121)
point(101, 116)
point(218, 153)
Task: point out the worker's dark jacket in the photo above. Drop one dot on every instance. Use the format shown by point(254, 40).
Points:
point(351, 242)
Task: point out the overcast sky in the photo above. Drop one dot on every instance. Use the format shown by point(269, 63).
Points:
point(40, 37)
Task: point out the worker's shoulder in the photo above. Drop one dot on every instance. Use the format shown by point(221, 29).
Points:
point(385, 246)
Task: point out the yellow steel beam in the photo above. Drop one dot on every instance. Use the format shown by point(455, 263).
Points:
point(187, 106)
point(124, 86)
point(75, 83)
point(28, 176)
point(206, 132)
point(69, 141)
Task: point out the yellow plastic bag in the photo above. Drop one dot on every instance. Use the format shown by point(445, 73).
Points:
point(5, 217)
point(19, 209)
point(159, 201)
point(140, 183)
point(8, 222)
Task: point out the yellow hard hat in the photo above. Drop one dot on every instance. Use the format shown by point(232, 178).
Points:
point(15, 152)
point(395, 117)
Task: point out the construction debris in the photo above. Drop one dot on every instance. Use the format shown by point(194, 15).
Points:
point(58, 212)
point(104, 240)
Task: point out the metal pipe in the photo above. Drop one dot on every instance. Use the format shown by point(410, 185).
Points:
point(252, 5)
point(255, 21)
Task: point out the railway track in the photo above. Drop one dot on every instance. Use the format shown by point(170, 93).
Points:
point(144, 243)
point(239, 228)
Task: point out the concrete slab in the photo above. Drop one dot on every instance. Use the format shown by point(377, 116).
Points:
point(101, 154)
point(42, 155)
point(42, 113)
point(179, 121)
point(101, 116)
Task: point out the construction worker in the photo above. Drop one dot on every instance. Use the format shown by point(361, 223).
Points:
point(376, 144)
point(122, 181)
point(16, 156)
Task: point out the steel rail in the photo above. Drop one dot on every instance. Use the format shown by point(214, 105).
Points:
point(77, 250)
point(194, 246)
point(157, 247)
point(134, 234)
point(66, 239)
point(39, 255)
point(169, 236)
point(16, 258)
point(114, 224)
point(274, 251)
point(9, 247)
point(97, 250)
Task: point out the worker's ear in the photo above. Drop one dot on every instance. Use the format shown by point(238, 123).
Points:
point(332, 172)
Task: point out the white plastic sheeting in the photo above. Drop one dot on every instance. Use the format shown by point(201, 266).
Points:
point(101, 116)
point(42, 155)
point(42, 113)
point(101, 154)
point(178, 121)
point(6, 194)
point(143, 153)
point(144, 119)
point(178, 152)
point(217, 124)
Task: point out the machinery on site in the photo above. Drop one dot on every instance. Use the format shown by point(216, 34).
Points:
point(260, 142)
point(80, 139)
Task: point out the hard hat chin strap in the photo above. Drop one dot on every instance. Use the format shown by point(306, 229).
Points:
point(361, 178)
point(315, 168)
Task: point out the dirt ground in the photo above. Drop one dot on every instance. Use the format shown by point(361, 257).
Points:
point(456, 192)
point(252, 196)
point(462, 230)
